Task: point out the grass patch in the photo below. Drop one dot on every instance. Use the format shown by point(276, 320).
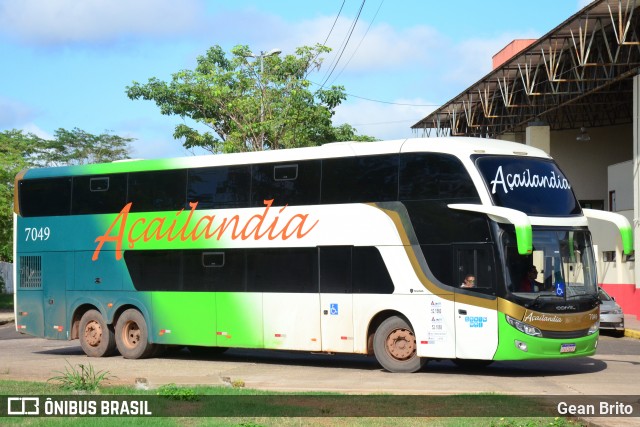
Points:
point(195, 399)
point(79, 378)
point(6, 302)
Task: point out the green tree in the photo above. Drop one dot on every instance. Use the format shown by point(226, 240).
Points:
point(19, 150)
point(248, 104)
point(346, 132)
point(77, 147)
point(16, 150)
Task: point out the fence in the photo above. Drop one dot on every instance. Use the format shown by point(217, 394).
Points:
point(6, 273)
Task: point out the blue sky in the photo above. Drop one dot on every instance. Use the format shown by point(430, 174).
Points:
point(66, 63)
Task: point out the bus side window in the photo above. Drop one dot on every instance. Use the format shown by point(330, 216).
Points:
point(157, 191)
point(45, 197)
point(370, 274)
point(360, 179)
point(220, 271)
point(221, 187)
point(428, 176)
point(335, 269)
point(155, 270)
point(286, 183)
point(98, 195)
point(476, 260)
point(290, 270)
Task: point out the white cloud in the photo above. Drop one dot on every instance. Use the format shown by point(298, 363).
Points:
point(383, 47)
point(14, 114)
point(37, 131)
point(471, 59)
point(383, 121)
point(54, 22)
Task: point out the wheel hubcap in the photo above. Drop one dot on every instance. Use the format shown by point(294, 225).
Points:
point(93, 333)
point(401, 344)
point(131, 334)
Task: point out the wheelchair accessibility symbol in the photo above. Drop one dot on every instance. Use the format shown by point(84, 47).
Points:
point(333, 309)
point(560, 288)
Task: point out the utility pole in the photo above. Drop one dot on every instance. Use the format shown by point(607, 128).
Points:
point(261, 57)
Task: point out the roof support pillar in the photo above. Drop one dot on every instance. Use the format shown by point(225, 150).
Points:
point(538, 135)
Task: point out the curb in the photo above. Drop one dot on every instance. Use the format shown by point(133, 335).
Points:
point(631, 333)
point(6, 320)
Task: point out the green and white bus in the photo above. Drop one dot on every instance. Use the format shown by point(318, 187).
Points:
point(343, 248)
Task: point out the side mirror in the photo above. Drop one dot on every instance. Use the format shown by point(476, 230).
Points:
point(623, 224)
point(519, 219)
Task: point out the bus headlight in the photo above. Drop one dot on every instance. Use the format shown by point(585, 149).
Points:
point(594, 328)
point(524, 327)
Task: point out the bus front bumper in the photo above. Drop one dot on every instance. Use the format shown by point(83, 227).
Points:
point(516, 345)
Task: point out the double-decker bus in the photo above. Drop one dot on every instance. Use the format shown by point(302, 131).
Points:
point(345, 248)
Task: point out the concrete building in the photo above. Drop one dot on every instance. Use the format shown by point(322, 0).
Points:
point(574, 93)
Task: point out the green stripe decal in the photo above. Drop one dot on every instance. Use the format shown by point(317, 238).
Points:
point(221, 319)
point(537, 347)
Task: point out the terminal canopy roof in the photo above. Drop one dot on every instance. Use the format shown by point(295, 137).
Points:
point(577, 75)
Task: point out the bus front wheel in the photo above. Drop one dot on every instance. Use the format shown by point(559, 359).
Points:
point(96, 338)
point(394, 345)
point(132, 336)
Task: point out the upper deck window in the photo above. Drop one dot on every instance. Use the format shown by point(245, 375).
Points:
point(98, 195)
point(360, 179)
point(45, 197)
point(533, 186)
point(430, 176)
point(158, 190)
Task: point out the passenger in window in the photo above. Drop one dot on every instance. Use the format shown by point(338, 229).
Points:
point(529, 282)
point(469, 281)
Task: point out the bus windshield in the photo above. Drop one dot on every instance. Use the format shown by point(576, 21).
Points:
point(531, 185)
point(561, 265)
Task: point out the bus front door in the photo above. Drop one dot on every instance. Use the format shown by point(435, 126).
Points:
point(476, 317)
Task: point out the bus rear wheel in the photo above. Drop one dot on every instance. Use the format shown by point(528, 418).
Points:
point(394, 345)
point(96, 338)
point(132, 336)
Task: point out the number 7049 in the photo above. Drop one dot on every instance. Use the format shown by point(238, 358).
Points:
point(36, 233)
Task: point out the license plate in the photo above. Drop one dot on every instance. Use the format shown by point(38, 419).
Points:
point(568, 348)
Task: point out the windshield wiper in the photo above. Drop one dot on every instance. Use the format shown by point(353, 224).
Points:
point(593, 298)
point(534, 303)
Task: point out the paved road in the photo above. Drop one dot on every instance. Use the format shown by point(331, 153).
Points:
point(614, 370)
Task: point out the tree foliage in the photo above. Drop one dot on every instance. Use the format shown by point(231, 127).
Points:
point(249, 104)
point(15, 150)
point(19, 150)
point(77, 147)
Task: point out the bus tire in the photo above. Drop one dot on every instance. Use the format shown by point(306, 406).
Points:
point(96, 338)
point(395, 348)
point(132, 336)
